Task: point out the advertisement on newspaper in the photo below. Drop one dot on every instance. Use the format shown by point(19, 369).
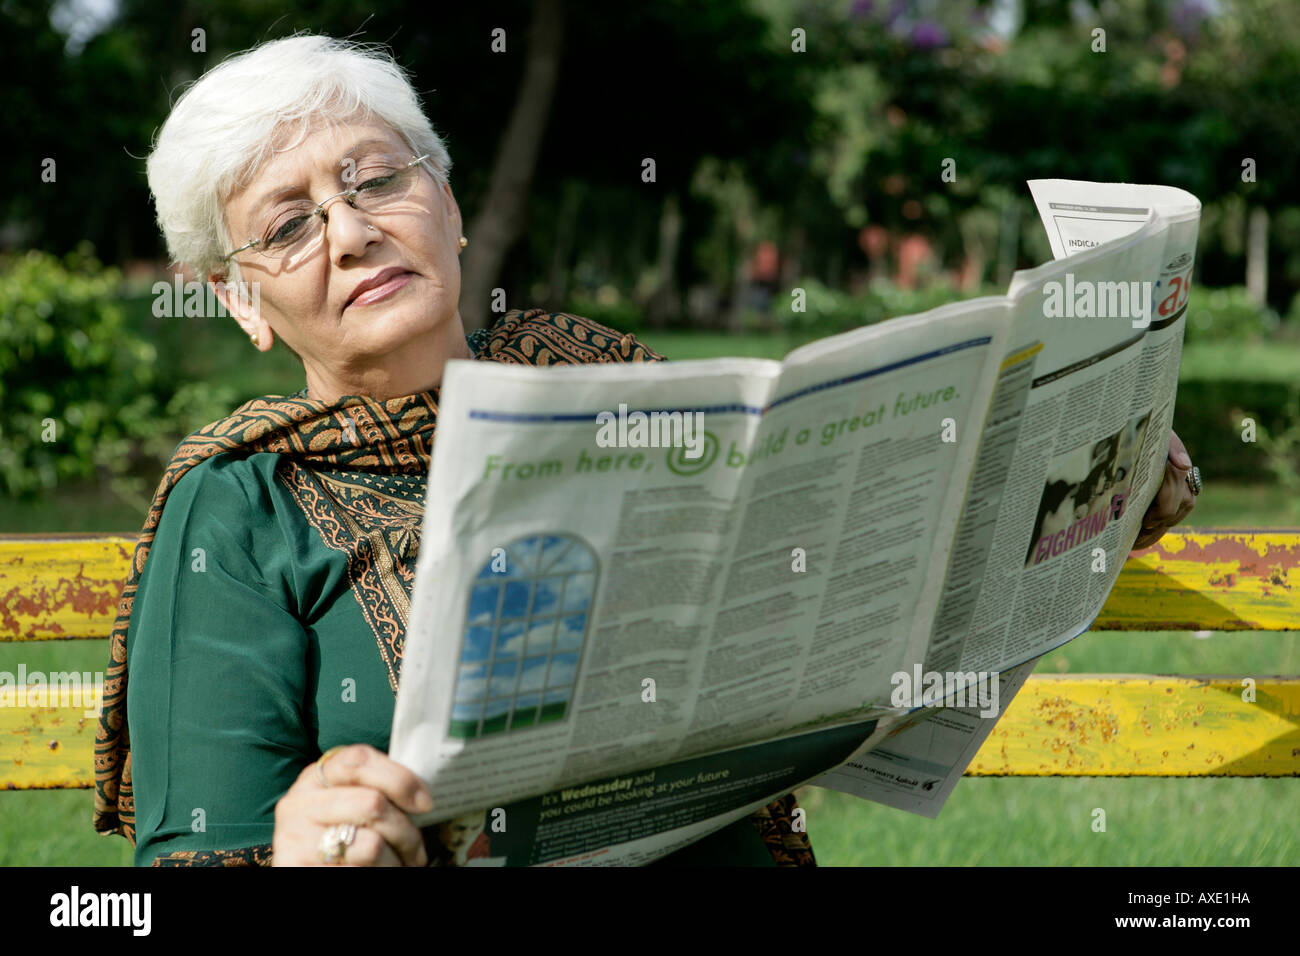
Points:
point(636, 818)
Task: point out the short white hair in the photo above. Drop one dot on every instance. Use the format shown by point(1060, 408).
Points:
point(231, 120)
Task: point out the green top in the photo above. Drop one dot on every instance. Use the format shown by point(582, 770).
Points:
point(251, 655)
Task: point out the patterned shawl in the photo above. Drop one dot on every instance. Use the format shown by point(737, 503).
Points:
point(353, 434)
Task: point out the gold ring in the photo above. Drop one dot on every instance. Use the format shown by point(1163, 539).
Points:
point(335, 841)
point(320, 763)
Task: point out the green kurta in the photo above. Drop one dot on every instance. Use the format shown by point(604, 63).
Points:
point(251, 652)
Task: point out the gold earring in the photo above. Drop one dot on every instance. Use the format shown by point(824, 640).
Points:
point(463, 242)
point(255, 338)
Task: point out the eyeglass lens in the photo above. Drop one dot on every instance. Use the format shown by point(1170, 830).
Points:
point(294, 228)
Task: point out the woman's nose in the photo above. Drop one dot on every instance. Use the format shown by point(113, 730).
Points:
point(348, 230)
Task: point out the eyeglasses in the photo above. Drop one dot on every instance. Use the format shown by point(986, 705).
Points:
point(298, 227)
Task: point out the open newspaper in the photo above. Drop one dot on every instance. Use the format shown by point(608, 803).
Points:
point(650, 599)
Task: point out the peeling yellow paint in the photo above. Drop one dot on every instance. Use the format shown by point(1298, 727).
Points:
point(47, 746)
point(1211, 580)
point(61, 587)
point(67, 586)
point(1101, 726)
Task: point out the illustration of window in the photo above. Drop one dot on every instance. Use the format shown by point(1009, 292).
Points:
point(524, 633)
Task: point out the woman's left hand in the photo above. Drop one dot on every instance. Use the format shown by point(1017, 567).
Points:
point(1173, 502)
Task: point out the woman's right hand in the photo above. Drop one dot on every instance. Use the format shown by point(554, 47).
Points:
point(365, 788)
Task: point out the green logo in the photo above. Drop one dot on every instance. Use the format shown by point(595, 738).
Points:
point(680, 464)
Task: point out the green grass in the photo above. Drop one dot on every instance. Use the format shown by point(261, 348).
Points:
point(996, 821)
point(1004, 821)
point(52, 828)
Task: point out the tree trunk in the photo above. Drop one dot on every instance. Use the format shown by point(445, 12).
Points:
point(557, 286)
point(1257, 256)
point(1008, 242)
point(792, 260)
point(972, 265)
point(744, 238)
point(664, 302)
point(500, 221)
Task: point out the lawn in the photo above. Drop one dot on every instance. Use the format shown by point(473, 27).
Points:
point(987, 821)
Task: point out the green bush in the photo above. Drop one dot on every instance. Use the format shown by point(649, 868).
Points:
point(623, 315)
point(1221, 315)
point(1281, 444)
point(1213, 315)
point(82, 395)
point(1209, 416)
point(61, 348)
point(829, 311)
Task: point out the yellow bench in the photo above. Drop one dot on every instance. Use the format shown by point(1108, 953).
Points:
point(65, 587)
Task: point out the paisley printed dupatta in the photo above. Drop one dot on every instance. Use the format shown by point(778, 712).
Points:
point(359, 435)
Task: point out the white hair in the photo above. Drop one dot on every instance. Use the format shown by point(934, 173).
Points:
point(234, 117)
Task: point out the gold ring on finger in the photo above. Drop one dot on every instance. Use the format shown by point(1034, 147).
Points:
point(320, 765)
point(335, 841)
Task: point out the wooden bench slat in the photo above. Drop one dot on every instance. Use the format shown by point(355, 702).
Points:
point(1209, 580)
point(50, 746)
point(61, 586)
point(66, 586)
point(1104, 725)
point(1083, 725)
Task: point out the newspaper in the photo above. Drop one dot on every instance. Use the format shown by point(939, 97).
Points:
point(923, 759)
point(652, 598)
point(918, 763)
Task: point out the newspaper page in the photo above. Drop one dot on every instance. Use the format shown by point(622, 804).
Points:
point(637, 613)
point(618, 646)
point(1081, 459)
point(918, 763)
point(1084, 427)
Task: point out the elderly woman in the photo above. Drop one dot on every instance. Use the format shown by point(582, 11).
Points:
point(266, 611)
point(265, 614)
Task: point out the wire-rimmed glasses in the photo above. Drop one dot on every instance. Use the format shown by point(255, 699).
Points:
point(296, 227)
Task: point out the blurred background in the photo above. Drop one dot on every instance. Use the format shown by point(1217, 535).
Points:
point(794, 145)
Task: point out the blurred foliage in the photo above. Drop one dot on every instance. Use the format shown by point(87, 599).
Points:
point(613, 311)
point(1209, 417)
point(828, 311)
point(1281, 445)
point(756, 137)
point(1228, 315)
point(65, 366)
point(83, 396)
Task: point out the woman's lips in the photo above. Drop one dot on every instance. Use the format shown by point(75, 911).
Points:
point(382, 291)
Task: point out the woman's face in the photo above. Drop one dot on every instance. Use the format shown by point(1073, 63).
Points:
point(382, 348)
